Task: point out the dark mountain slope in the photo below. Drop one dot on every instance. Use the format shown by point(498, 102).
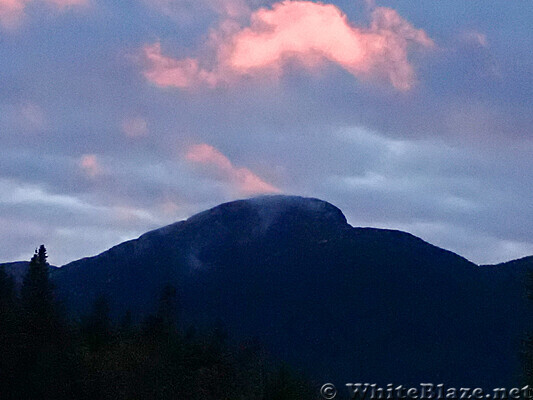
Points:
point(346, 304)
point(18, 269)
point(515, 265)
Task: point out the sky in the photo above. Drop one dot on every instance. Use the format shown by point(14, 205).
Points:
point(118, 117)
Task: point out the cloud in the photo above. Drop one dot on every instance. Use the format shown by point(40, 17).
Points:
point(16, 193)
point(66, 92)
point(476, 38)
point(23, 117)
point(34, 118)
point(134, 127)
point(456, 197)
point(246, 182)
point(186, 12)
point(66, 3)
point(302, 31)
point(166, 71)
point(90, 165)
point(69, 225)
point(12, 12)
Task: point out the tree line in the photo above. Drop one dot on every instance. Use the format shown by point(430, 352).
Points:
point(527, 343)
point(46, 355)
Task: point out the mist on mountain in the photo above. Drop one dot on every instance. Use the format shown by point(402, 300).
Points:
point(343, 304)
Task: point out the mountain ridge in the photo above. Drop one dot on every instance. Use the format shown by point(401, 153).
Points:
point(198, 216)
point(340, 302)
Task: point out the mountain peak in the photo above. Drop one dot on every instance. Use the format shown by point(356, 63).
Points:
point(290, 271)
point(271, 207)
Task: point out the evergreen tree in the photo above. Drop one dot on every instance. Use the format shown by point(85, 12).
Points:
point(164, 322)
point(126, 325)
point(528, 341)
point(45, 357)
point(168, 307)
point(287, 385)
point(37, 298)
point(7, 291)
point(8, 305)
point(97, 327)
point(9, 332)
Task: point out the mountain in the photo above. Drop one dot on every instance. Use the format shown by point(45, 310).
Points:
point(514, 265)
point(344, 304)
point(18, 269)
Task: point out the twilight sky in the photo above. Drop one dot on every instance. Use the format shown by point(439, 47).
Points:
point(120, 117)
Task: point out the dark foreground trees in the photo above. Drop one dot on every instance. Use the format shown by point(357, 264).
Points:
point(45, 356)
point(528, 340)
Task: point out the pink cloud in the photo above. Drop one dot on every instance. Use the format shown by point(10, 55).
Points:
point(12, 11)
point(89, 165)
point(165, 71)
point(245, 181)
point(306, 32)
point(134, 127)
